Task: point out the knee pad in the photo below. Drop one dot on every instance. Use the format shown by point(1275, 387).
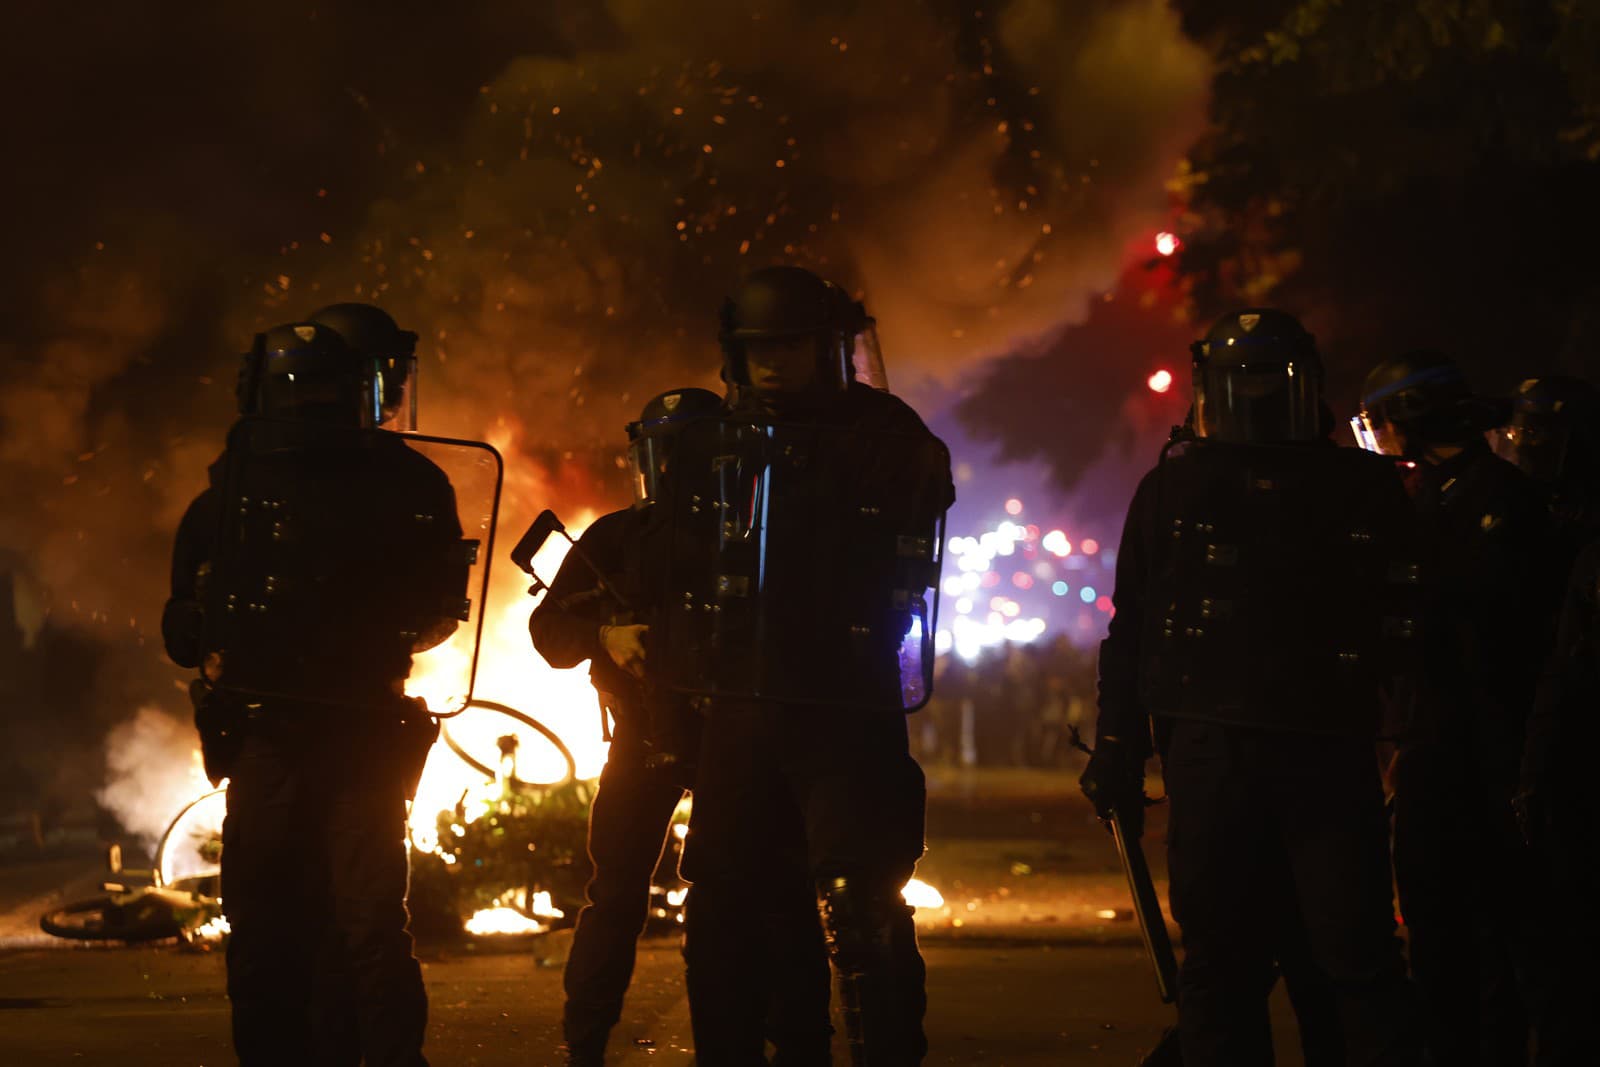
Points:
point(858, 919)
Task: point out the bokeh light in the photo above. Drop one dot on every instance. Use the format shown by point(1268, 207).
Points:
point(1160, 381)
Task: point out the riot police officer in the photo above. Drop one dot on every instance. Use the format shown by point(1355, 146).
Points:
point(580, 619)
point(812, 792)
point(1470, 906)
point(1558, 812)
point(305, 636)
point(1262, 605)
point(1554, 438)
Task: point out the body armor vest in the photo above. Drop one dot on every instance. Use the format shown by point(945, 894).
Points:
point(1284, 587)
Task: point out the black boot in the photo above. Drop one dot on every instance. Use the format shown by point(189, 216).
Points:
point(872, 941)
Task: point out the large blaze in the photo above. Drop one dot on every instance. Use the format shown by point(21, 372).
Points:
point(509, 672)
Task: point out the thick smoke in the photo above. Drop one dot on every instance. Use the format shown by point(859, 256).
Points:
point(556, 203)
point(154, 771)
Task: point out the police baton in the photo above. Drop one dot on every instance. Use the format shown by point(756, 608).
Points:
point(1152, 923)
point(1146, 908)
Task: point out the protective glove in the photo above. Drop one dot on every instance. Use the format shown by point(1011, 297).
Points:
point(1114, 782)
point(625, 646)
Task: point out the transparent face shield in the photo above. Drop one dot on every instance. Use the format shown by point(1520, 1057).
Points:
point(1366, 433)
point(303, 389)
point(1536, 445)
point(867, 359)
point(647, 464)
point(397, 388)
point(1257, 403)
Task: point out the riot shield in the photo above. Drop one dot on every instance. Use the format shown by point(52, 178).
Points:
point(351, 565)
point(803, 564)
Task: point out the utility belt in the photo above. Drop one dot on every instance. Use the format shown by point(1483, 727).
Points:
point(661, 724)
point(400, 738)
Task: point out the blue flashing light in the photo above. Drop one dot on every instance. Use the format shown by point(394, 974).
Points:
point(1087, 594)
point(1059, 588)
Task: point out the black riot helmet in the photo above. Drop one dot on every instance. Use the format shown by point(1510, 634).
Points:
point(650, 438)
point(1424, 396)
point(1554, 433)
point(372, 331)
point(1258, 380)
point(307, 372)
point(777, 304)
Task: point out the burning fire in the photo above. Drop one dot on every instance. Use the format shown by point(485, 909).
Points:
point(512, 915)
point(213, 930)
point(920, 894)
point(512, 673)
point(502, 920)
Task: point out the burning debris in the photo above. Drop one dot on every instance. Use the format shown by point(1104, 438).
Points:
point(920, 894)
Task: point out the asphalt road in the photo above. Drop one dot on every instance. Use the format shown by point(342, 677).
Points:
point(1033, 961)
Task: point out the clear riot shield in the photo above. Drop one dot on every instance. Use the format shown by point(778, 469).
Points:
point(804, 563)
point(352, 565)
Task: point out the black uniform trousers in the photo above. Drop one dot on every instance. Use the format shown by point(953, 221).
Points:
point(1475, 914)
point(788, 797)
point(628, 826)
point(314, 875)
point(1300, 819)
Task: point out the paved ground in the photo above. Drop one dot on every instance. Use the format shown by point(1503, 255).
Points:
point(1034, 961)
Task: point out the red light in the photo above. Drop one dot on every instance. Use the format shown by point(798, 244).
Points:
point(1088, 546)
point(1031, 533)
point(1160, 381)
point(1022, 580)
point(1013, 506)
point(1103, 603)
point(989, 580)
point(1166, 243)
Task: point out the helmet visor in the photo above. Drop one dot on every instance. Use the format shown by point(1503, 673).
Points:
point(397, 388)
point(1537, 445)
point(868, 358)
point(647, 466)
point(1258, 403)
point(301, 388)
point(1366, 433)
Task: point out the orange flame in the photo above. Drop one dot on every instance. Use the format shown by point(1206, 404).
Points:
point(509, 672)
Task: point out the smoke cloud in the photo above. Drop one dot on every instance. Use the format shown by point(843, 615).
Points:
point(556, 202)
point(153, 770)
